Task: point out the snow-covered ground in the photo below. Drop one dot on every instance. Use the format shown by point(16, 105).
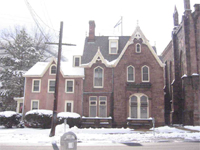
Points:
point(24, 136)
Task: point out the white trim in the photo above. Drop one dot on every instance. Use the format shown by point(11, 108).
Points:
point(19, 100)
point(102, 77)
point(102, 104)
point(66, 85)
point(133, 73)
point(35, 101)
point(48, 85)
point(93, 105)
point(145, 41)
point(46, 68)
point(74, 57)
point(138, 95)
point(50, 69)
point(72, 105)
point(136, 48)
point(148, 73)
point(33, 85)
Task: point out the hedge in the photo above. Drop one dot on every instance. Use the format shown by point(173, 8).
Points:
point(42, 119)
point(9, 119)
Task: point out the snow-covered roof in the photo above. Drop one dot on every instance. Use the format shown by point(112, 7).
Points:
point(66, 68)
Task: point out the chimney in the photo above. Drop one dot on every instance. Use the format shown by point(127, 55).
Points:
point(91, 37)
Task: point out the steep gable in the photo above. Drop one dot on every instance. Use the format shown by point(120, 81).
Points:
point(90, 48)
point(138, 35)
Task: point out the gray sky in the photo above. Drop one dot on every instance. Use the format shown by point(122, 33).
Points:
point(155, 17)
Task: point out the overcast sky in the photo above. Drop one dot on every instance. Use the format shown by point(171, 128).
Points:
point(155, 17)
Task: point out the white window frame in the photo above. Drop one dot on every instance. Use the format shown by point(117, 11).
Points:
point(148, 74)
point(50, 69)
point(49, 85)
point(139, 105)
point(102, 104)
point(93, 105)
point(32, 104)
point(136, 48)
point(94, 77)
point(72, 105)
point(33, 85)
point(133, 74)
point(79, 57)
point(66, 85)
point(117, 47)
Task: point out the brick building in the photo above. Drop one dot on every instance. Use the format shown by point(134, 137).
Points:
point(123, 78)
point(182, 69)
point(40, 87)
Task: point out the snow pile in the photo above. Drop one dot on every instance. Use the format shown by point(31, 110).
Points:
point(93, 136)
point(167, 129)
point(197, 128)
point(7, 113)
point(68, 115)
point(40, 112)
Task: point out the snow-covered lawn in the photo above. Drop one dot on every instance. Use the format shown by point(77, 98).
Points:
point(41, 136)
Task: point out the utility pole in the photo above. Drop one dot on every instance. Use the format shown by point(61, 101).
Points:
point(54, 117)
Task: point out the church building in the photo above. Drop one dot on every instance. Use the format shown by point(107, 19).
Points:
point(182, 69)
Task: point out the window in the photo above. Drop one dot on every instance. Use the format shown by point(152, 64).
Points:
point(133, 106)
point(68, 106)
point(143, 107)
point(139, 106)
point(34, 104)
point(145, 74)
point(77, 61)
point(98, 77)
point(93, 106)
point(113, 48)
point(51, 86)
point(36, 85)
point(130, 74)
point(113, 45)
point(138, 48)
point(69, 86)
point(53, 69)
point(102, 106)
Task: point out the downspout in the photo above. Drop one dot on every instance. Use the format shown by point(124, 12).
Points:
point(112, 99)
point(24, 99)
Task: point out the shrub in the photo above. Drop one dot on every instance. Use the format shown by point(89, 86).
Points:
point(38, 119)
point(73, 119)
point(9, 119)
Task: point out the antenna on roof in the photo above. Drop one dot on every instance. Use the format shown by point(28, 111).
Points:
point(137, 23)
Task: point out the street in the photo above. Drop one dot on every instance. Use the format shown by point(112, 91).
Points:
point(125, 146)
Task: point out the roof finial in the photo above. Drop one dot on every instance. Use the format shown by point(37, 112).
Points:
point(137, 23)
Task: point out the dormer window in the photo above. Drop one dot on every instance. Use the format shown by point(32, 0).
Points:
point(77, 61)
point(113, 45)
point(53, 69)
point(138, 48)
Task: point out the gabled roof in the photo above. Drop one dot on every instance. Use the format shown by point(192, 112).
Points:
point(66, 69)
point(139, 34)
point(90, 48)
point(101, 44)
point(98, 57)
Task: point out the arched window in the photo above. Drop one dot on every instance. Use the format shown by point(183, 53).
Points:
point(138, 48)
point(133, 107)
point(98, 77)
point(53, 70)
point(145, 74)
point(139, 107)
point(143, 107)
point(130, 74)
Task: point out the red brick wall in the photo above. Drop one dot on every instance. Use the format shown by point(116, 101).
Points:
point(46, 99)
point(155, 93)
